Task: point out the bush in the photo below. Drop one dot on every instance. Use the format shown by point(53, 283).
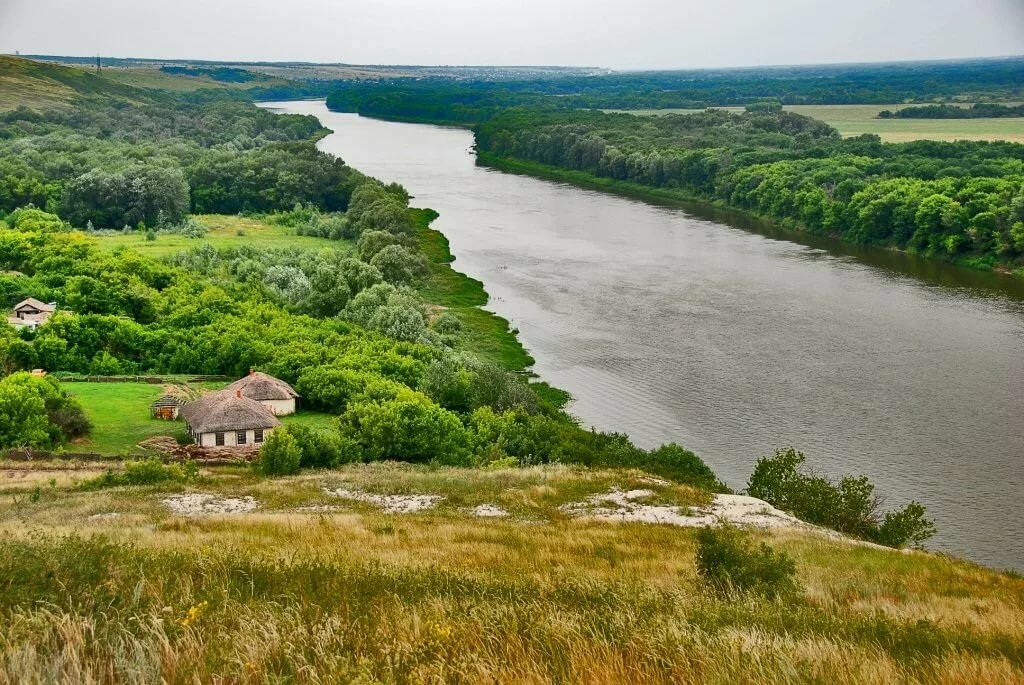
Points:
point(324, 449)
point(849, 506)
point(729, 561)
point(681, 465)
point(144, 472)
point(448, 383)
point(280, 455)
point(501, 390)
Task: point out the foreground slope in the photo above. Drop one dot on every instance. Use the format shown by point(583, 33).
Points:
point(141, 584)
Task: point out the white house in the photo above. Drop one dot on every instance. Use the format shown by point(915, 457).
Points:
point(31, 313)
point(228, 419)
point(276, 395)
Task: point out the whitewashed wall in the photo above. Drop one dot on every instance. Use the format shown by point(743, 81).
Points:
point(280, 407)
point(210, 439)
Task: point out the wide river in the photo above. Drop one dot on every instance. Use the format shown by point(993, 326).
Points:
point(669, 325)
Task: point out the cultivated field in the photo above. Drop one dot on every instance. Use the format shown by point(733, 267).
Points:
point(853, 120)
point(303, 586)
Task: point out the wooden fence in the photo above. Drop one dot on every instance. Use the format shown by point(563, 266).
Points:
point(156, 380)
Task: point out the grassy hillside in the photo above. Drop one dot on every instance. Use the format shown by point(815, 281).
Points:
point(152, 77)
point(43, 86)
point(308, 587)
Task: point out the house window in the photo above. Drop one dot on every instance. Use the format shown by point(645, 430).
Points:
point(257, 436)
point(239, 437)
point(218, 439)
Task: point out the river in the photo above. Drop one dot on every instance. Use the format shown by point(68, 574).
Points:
point(670, 325)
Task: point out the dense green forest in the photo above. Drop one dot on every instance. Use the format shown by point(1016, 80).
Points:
point(117, 166)
point(468, 102)
point(976, 111)
point(962, 200)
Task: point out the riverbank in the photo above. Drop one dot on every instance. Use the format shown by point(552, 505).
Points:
point(485, 333)
point(701, 205)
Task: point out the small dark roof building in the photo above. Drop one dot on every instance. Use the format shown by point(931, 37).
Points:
point(167, 407)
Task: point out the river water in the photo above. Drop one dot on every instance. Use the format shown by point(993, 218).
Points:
point(671, 325)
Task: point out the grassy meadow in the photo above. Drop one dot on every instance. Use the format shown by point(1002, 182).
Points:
point(225, 231)
point(854, 120)
point(110, 586)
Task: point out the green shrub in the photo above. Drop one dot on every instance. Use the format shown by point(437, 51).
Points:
point(410, 427)
point(494, 387)
point(280, 455)
point(849, 505)
point(681, 465)
point(729, 561)
point(324, 449)
point(149, 471)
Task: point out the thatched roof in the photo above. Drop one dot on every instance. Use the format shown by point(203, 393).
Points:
point(168, 401)
point(225, 411)
point(260, 386)
point(35, 304)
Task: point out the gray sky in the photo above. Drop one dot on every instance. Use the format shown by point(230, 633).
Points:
point(609, 33)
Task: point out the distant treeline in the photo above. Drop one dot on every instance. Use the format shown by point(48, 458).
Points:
point(222, 74)
point(977, 111)
point(962, 200)
point(472, 101)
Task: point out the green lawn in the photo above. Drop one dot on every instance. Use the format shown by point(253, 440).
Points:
point(120, 416)
point(853, 120)
point(224, 232)
point(313, 419)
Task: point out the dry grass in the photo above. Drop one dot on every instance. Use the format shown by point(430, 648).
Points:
point(357, 595)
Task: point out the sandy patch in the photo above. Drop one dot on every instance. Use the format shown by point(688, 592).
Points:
point(203, 504)
point(488, 511)
point(619, 505)
point(392, 504)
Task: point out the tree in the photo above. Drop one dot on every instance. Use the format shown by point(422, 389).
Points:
point(372, 242)
point(23, 421)
point(399, 265)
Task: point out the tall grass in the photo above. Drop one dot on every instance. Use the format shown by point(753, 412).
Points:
point(357, 595)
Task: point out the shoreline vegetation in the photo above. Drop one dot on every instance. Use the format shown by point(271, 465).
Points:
point(923, 267)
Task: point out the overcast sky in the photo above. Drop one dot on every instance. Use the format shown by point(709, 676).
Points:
point(621, 34)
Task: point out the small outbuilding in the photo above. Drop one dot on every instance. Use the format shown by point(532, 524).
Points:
point(273, 393)
point(228, 419)
point(167, 407)
point(31, 313)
